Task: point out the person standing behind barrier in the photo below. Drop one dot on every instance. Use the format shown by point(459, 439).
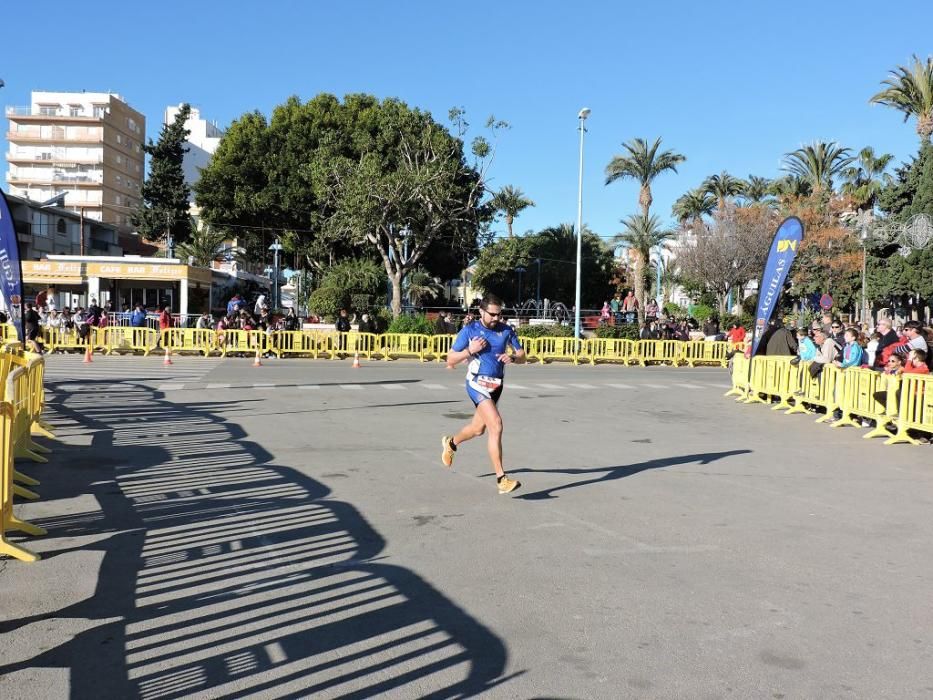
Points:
point(138, 317)
point(82, 326)
point(888, 338)
point(652, 311)
point(780, 341)
point(851, 352)
point(31, 324)
point(204, 321)
point(485, 344)
point(615, 306)
point(871, 349)
point(736, 333)
point(291, 320)
point(93, 312)
point(630, 307)
point(104, 320)
point(806, 350)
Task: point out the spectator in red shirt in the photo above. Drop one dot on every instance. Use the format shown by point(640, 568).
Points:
point(165, 319)
point(736, 334)
point(916, 363)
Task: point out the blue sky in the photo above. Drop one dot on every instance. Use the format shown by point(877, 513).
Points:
point(731, 89)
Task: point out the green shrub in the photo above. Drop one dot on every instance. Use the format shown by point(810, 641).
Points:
point(361, 303)
point(701, 312)
point(414, 324)
point(327, 301)
point(555, 331)
point(675, 310)
point(627, 331)
point(747, 321)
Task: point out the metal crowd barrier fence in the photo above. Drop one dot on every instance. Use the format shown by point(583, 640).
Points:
point(301, 343)
point(347, 344)
point(403, 345)
point(610, 350)
point(199, 340)
point(69, 339)
point(696, 352)
point(896, 404)
point(550, 349)
point(660, 351)
point(234, 341)
point(8, 332)
point(439, 346)
point(121, 339)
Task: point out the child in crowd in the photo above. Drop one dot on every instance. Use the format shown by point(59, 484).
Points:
point(852, 353)
point(806, 350)
point(872, 349)
point(916, 362)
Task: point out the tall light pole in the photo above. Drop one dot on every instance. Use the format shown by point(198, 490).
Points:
point(276, 247)
point(583, 114)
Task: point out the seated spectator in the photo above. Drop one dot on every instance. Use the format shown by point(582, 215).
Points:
point(915, 340)
point(916, 362)
point(806, 350)
point(826, 353)
point(851, 352)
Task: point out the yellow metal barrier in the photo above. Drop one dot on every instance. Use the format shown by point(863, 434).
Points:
point(661, 351)
point(8, 333)
point(695, 352)
point(307, 343)
point(179, 340)
point(915, 410)
point(347, 344)
point(242, 342)
point(547, 349)
point(58, 339)
point(739, 377)
point(858, 399)
point(609, 350)
point(439, 346)
point(8, 521)
point(394, 345)
point(822, 391)
point(122, 339)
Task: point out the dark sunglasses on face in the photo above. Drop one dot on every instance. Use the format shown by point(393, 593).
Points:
point(494, 315)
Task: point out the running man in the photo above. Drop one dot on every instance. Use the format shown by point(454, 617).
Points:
point(484, 343)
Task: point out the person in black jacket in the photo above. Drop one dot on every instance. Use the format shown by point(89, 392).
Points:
point(888, 337)
point(343, 322)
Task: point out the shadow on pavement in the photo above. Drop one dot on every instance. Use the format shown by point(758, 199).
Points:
point(619, 472)
point(226, 575)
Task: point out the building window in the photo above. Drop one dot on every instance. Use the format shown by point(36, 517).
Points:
point(119, 138)
point(100, 111)
point(60, 227)
point(130, 122)
point(76, 110)
point(119, 159)
point(118, 179)
point(48, 110)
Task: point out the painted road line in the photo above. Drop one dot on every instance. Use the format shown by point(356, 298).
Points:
point(217, 386)
point(621, 386)
point(549, 386)
point(308, 386)
point(170, 387)
point(515, 386)
point(263, 385)
point(654, 386)
point(583, 386)
point(434, 386)
point(689, 386)
point(351, 387)
point(393, 387)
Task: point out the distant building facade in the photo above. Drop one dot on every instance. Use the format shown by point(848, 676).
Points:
point(85, 145)
point(202, 142)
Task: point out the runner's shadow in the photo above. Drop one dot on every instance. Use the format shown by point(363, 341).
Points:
point(618, 472)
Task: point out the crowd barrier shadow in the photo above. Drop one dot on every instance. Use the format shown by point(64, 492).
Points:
point(225, 575)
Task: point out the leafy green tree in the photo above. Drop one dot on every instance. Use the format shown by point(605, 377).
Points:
point(164, 207)
point(910, 90)
point(905, 194)
point(692, 205)
point(863, 179)
point(790, 187)
point(723, 187)
point(642, 163)
point(818, 163)
point(642, 234)
point(511, 201)
point(421, 286)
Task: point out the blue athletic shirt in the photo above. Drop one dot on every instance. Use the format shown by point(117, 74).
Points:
point(485, 363)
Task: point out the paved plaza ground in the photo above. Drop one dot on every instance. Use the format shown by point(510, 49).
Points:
point(219, 530)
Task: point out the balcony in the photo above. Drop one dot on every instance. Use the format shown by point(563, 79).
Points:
point(28, 112)
point(77, 179)
point(53, 159)
point(58, 136)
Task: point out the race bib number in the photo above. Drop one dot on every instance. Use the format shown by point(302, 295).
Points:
point(490, 383)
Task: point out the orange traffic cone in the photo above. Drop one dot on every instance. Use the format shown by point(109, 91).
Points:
point(168, 357)
point(257, 362)
point(356, 360)
point(88, 353)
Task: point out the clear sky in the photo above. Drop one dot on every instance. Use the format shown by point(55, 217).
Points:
point(731, 88)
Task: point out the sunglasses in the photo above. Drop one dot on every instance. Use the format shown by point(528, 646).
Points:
point(498, 314)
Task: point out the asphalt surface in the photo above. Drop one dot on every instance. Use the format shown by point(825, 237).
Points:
point(219, 530)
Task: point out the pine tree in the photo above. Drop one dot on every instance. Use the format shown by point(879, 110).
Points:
point(165, 193)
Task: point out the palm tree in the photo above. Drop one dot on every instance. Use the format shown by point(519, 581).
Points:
point(693, 205)
point(757, 189)
point(510, 201)
point(642, 163)
point(818, 163)
point(422, 286)
point(204, 246)
point(641, 234)
point(910, 90)
point(722, 187)
point(863, 180)
point(790, 186)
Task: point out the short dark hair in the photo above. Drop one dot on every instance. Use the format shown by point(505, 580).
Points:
point(915, 325)
point(490, 299)
point(921, 355)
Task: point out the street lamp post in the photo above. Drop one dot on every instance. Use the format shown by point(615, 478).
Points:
point(520, 270)
point(538, 293)
point(582, 115)
point(275, 248)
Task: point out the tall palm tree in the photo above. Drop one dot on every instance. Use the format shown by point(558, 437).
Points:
point(757, 189)
point(818, 163)
point(643, 163)
point(864, 179)
point(722, 187)
point(692, 205)
point(641, 234)
point(910, 90)
point(790, 186)
point(510, 201)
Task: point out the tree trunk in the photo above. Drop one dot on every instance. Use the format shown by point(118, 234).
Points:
point(508, 223)
point(396, 281)
point(645, 199)
point(640, 287)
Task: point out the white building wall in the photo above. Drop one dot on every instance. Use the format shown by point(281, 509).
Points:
point(203, 139)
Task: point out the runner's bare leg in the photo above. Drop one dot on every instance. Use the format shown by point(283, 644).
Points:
point(493, 423)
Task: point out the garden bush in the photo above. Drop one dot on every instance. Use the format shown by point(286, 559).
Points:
point(414, 324)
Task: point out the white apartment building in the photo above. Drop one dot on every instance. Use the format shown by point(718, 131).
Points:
point(203, 140)
point(85, 145)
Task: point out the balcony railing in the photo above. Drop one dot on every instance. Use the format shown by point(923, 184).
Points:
point(54, 158)
point(59, 136)
point(75, 178)
point(29, 111)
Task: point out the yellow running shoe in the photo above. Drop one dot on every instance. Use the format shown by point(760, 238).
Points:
point(507, 485)
point(448, 451)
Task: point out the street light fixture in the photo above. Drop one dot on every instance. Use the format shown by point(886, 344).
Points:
point(582, 115)
point(520, 270)
point(276, 247)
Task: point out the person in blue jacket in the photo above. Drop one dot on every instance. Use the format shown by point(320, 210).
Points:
point(852, 353)
point(806, 350)
point(485, 344)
